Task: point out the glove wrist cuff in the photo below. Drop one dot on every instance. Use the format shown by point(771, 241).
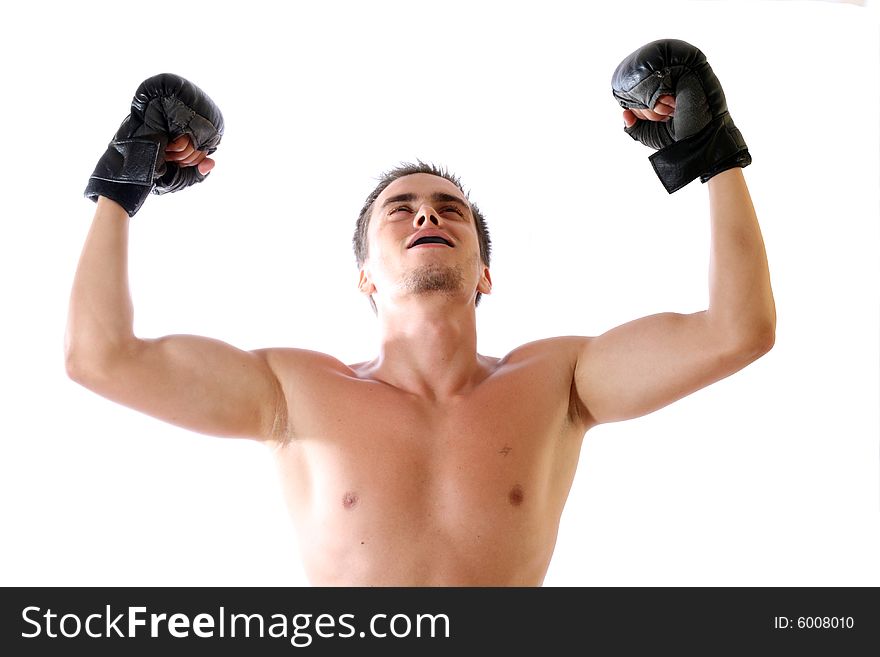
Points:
point(129, 196)
point(716, 148)
point(125, 173)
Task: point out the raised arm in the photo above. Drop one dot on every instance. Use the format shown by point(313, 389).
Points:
point(675, 104)
point(198, 383)
point(643, 365)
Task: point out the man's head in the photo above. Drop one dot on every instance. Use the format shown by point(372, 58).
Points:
point(415, 200)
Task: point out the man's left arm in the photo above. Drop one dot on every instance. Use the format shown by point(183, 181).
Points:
point(641, 366)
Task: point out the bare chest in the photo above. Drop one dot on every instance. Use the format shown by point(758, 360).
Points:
point(369, 437)
point(372, 469)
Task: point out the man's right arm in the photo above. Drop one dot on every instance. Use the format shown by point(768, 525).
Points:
point(197, 383)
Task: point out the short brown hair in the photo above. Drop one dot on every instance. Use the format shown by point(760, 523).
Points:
point(407, 169)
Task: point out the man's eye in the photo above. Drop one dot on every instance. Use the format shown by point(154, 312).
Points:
point(405, 208)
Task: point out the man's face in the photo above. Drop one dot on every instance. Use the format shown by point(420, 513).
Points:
point(423, 239)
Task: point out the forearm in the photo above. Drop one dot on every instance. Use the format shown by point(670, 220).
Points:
point(741, 301)
point(100, 317)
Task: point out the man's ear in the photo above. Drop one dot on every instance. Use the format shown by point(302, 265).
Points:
point(485, 284)
point(365, 285)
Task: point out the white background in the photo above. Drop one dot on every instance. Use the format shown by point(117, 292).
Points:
point(769, 477)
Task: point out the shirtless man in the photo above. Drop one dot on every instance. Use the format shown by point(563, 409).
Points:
point(431, 464)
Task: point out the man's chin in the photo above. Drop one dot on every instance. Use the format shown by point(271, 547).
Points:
point(434, 278)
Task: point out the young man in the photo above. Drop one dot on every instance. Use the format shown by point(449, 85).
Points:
point(430, 464)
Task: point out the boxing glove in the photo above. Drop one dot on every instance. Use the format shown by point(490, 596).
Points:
point(701, 139)
point(164, 107)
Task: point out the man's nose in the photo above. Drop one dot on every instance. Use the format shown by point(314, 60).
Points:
point(425, 215)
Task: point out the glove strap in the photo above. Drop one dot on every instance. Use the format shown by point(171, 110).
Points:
point(716, 148)
point(125, 173)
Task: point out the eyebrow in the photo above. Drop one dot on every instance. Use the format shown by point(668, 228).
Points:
point(437, 197)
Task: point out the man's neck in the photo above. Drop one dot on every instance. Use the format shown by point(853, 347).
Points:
point(429, 348)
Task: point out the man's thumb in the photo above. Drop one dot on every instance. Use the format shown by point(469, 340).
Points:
point(206, 165)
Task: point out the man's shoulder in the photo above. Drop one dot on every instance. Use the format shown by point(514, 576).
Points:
point(562, 348)
point(286, 361)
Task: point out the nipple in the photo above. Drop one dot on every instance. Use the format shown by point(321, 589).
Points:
point(515, 497)
point(349, 500)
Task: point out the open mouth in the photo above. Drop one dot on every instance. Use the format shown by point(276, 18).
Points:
point(431, 239)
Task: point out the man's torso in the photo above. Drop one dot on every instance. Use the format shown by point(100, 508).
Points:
point(385, 487)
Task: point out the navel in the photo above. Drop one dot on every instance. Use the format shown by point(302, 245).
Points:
point(349, 500)
point(515, 496)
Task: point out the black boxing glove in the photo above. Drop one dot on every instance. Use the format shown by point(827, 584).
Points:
point(701, 139)
point(164, 108)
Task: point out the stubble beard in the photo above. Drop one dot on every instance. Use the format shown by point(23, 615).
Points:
point(434, 278)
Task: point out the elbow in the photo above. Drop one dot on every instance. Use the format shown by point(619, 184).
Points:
point(72, 361)
point(751, 345)
point(71, 366)
point(80, 369)
point(88, 366)
point(763, 342)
